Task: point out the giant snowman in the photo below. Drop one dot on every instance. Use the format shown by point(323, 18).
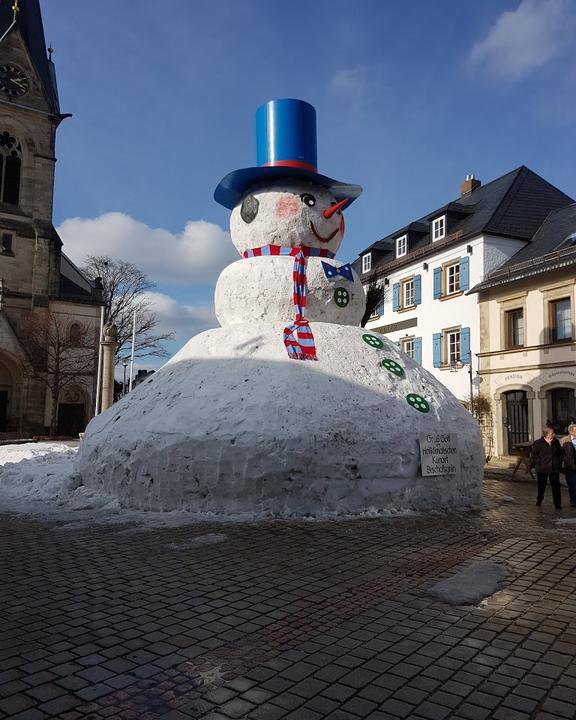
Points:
point(289, 408)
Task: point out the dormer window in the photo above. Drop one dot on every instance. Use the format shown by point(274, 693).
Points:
point(366, 262)
point(439, 228)
point(401, 246)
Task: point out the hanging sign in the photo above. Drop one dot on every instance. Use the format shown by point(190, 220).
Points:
point(439, 454)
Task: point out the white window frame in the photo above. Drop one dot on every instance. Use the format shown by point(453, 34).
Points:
point(456, 280)
point(404, 285)
point(401, 246)
point(408, 346)
point(439, 228)
point(366, 262)
point(448, 335)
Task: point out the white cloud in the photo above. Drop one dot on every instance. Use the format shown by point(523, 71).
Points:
point(526, 38)
point(350, 84)
point(196, 255)
point(184, 320)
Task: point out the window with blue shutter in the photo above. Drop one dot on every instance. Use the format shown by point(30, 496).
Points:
point(418, 350)
point(437, 349)
point(465, 355)
point(464, 273)
point(380, 308)
point(437, 283)
point(417, 289)
point(396, 296)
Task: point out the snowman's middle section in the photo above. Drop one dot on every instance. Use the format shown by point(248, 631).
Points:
point(261, 288)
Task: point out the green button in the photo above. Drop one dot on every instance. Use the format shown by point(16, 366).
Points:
point(373, 341)
point(418, 402)
point(341, 297)
point(393, 367)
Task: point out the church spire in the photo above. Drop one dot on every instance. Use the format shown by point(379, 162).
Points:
point(25, 16)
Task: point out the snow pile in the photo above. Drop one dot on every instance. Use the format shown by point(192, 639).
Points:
point(232, 427)
point(36, 471)
point(469, 585)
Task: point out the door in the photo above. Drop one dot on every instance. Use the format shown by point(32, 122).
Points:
point(3, 410)
point(517, 418)
point(70, 419)
point(561, 409)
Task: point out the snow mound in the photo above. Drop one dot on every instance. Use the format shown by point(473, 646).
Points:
point(231, 427)
point(469, 585)
point(38, 471)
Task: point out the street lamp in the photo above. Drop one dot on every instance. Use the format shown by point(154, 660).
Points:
point(456, 365)
point(125, 362)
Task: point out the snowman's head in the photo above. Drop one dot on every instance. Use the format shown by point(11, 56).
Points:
point(288, 213)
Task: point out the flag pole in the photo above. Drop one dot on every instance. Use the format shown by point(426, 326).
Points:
point(99, 374)
point(132, 353)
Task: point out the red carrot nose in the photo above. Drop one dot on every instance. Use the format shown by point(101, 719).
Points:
point(334, 208)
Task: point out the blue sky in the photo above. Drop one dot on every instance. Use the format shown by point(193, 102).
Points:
point(410, 98)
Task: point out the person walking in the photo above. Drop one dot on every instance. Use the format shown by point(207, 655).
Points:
point(569, 448)
point(547, 457)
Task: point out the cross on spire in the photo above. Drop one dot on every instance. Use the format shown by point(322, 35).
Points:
point(16, 9)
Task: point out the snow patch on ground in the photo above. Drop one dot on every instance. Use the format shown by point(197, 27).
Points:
point(469, 585)
point(209, 539)
point(566, 521)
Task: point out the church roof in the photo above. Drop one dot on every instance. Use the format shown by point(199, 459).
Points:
point(29, 23)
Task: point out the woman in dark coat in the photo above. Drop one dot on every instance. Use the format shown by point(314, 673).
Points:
point(547, 456)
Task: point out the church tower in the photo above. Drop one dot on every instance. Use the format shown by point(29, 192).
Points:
point(29, 117)
point(35, 276)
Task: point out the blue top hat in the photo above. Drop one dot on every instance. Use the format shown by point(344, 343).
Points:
point(285, 148)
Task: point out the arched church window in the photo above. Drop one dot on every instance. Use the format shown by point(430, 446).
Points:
point(10, 167)
point(75, 334)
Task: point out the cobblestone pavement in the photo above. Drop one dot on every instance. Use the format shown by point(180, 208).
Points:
point(299, 621)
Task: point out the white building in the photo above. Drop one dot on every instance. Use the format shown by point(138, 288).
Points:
point(429, 265)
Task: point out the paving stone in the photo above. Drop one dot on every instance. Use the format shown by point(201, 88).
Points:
point(397, 708)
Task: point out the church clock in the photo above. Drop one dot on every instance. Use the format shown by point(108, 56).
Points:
point(13, 81)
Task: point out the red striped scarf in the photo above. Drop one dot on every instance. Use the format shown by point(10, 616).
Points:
point(298, 337)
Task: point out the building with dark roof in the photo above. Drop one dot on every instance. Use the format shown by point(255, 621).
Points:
point(429, 265)
point(39, 286)
point(527, 360)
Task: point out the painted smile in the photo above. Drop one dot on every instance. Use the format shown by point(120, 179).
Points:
point(323, 240)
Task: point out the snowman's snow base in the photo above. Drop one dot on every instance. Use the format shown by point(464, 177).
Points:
point(232, 427)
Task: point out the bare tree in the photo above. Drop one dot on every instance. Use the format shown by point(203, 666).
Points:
point(123, 290)
point(61, 353)
point(375, 296)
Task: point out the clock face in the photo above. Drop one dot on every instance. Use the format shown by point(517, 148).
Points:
point(13, 81)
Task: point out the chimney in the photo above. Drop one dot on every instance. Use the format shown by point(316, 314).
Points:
point(469, 185)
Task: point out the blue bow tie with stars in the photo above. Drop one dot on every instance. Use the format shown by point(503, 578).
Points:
point(344, 270)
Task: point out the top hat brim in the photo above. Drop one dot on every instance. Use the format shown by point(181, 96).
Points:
point(235, 185)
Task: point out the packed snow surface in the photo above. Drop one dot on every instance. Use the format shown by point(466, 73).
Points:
point(469, 585)
point(232, 427)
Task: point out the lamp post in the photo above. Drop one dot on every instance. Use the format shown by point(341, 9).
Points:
point(456, 365)
point(125, 362)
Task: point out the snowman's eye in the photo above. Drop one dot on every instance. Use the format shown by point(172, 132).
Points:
point(249, 209)
point(308, 199)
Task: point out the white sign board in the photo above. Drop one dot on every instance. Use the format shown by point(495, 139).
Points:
point(439, 454)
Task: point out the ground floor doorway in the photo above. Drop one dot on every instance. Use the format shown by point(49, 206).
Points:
point(516, 420)
point(3, 410)
point(561, 405)
point(71, 419)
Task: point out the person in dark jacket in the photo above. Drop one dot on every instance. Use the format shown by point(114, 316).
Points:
point(547, 457)
point(569, 448)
